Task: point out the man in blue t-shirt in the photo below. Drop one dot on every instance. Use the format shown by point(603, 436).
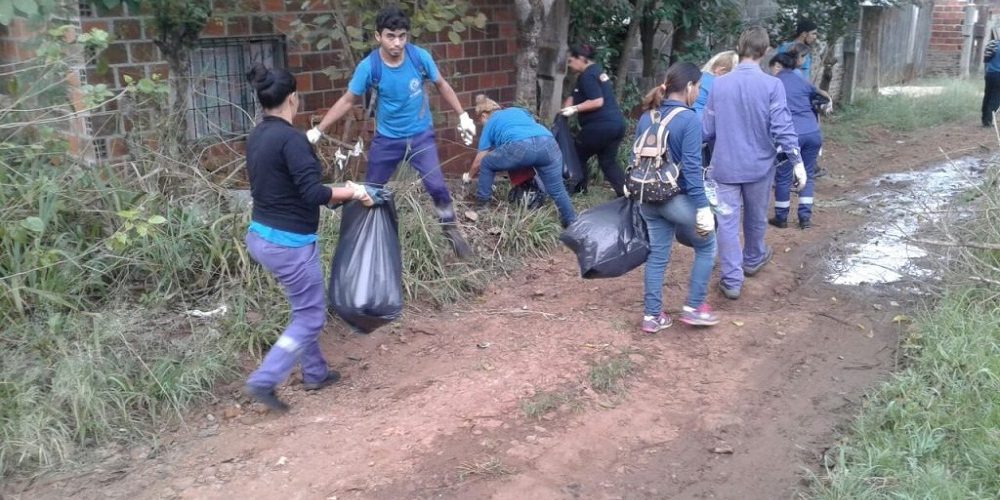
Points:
point(404, 128)
point(991, 95)
point(806, 32)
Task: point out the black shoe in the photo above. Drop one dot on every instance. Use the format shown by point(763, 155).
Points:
point(332, 376)
point(481, 204)
point(779, 223)
point(458, 243)
point(266, 396)
point(805, 224)
point(820, 172)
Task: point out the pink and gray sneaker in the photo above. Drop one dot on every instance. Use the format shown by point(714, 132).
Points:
point(653, 324)
point(702, 316)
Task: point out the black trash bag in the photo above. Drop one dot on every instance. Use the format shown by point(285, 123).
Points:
point(366, 279)
point(527, 194)
point(609, 240)
point(572, 170)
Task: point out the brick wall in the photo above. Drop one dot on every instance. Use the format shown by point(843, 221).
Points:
point(945, 50)
point(484, 62)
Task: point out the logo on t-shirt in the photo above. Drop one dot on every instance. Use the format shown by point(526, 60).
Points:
point(415, 87)
point(603, 78)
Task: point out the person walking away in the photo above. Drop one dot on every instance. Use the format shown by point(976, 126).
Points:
point(602, 126)
point(799, 95)
point(748, 118)
point(806, 32)
point(991, 94)
point(686, 215)
point(287, 195)
point(718, 65)
point(511, 140)
point(404, 129)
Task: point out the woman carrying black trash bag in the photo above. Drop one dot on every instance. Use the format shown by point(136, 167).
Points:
point(285, 184)
point(688, 215)
point(602, 126)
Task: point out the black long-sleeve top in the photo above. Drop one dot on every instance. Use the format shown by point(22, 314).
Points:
point(285, 177)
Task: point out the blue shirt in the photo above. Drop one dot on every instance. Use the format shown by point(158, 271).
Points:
point(799, 94)
point(684, 140)
point(802, 71)
point(594, 83)
point(993, 66)
point(403, 108)
point(706, 87)
point(748, 117)
point(283, 238)
point(509, 125)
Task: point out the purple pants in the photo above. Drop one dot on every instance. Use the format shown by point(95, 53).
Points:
point(299, 272)
point(420, 151)
point(753, 197)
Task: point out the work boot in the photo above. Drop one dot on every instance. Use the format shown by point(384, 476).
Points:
point(458, 243)
point(332, 376)
point(267, 397)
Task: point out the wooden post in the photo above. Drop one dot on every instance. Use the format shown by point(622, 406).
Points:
point(967, 32)
point(850, 76)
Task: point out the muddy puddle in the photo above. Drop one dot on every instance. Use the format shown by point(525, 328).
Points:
point(899, 206)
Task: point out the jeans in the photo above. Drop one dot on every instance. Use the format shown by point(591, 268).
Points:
point(299, 272)
point(420, 151)
point(664, 221)
point(542, 153)
point(603, 140)
point(754, 197)
point(809, 145)
point(991, 97)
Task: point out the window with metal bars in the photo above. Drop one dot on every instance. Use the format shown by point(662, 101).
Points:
point(222, 101)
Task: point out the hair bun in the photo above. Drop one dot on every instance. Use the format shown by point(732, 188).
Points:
point(260, 77)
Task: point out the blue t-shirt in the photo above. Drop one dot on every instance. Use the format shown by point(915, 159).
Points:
point(993, 66)
point(594, 83)
point(806, 65)
point(282, 238)
point(403, 107)
point(509, 125)
point(799, 94)
point(707, 79)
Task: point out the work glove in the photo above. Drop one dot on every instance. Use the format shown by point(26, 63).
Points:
point(340, 159)
point(314, 135)
point(704, 221)
point(359, 148)
point(569, 111)
point(799, 172)
point(466, 128)
point(828, 108)
point(363, 194)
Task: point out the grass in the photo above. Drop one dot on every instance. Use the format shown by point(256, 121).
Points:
point(545, 402)
point(958, 102)
point(933, 430)
point(490, 468)
point(609, 375)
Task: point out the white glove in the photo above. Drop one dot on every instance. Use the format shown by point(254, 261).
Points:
point(340, 159)
point(466, 128)
point(799, 171)
point(359, 147)
point(704, 221)
point(466, 178)
point(569, 111)
point(314, 135)
point(828, 108)
point(360, 193)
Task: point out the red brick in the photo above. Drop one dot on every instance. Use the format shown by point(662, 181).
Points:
point(303, 82)
point(116, 53)
point(127, 29)
point(238, 26)
point(320, 81)
point(273, 5)
point(454, 51)
point(216, 26)
point(89, 24)
point(144, 52)
point(312, 62)
point(162, 70)
point(136, 72)
point(260, 25)
point(478, 66)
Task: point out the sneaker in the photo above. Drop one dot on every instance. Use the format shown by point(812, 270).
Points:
point(729, 293)
point(702, 316)
point(458, 243)
point(653, 324)
point(332, 376)
point(752, 270)
point(266, 396)
point(805, 223)
point(779, 223)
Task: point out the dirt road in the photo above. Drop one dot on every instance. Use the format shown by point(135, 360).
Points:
point(435, 407)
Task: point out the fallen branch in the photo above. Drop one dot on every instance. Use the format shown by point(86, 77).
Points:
point(971, 244)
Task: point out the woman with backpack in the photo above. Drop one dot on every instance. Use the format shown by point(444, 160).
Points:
point(602, 126)
point(687, 214)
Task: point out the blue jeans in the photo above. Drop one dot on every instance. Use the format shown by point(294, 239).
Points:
point(543, 154)
point(299, 272)
point(420, 151)
point(664, 221)
point(809, 145)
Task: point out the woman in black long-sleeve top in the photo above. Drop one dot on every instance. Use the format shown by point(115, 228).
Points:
point(602, 126)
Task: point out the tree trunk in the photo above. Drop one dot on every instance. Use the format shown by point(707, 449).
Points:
point(529, 28)
point(552, 52)
point(178, 101)
point(631, 38)
point(647, 36)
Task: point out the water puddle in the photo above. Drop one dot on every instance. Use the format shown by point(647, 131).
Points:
point(901, 204)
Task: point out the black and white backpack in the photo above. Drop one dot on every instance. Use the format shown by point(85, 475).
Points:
point(653, 177)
